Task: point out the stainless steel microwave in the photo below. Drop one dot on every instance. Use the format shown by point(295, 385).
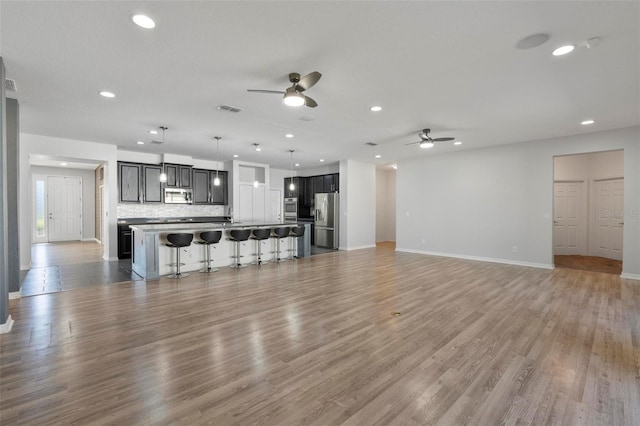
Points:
point(178, 196)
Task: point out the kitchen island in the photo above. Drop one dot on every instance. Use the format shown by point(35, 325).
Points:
point(151, 258)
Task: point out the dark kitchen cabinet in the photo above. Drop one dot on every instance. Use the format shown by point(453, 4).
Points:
point(306, 191)
point(205, 192)
point(295, 193)
point(185, 176)
point(318, 184)
point(124, 242)
point(200, 186)
point(152, 184)
point(330, 183)
point(219, 193)
point(129, 182)
point(178, 176)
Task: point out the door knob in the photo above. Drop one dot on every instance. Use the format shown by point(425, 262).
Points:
point(555, 222)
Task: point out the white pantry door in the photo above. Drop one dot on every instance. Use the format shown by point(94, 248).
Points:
point(569, 219)
point(275, 203)
point(609, 218)
point(64, 201)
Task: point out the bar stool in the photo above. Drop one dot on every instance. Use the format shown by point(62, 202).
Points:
point(279, 233)
point(259, 235)
point(238, 236)
point(208, 238)
point(178, 241)
point(296, 232)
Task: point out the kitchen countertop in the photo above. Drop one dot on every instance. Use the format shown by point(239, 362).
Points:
point(165, 220)
point(194, 226)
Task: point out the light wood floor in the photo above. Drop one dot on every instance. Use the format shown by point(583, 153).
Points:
point(588, 263)
point(315, 342)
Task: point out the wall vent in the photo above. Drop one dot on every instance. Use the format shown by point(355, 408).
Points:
point(157, 142)
point(10, 85)
point(371, 143)
point(228, 108)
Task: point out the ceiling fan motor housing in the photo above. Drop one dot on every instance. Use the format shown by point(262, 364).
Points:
point(294, 77)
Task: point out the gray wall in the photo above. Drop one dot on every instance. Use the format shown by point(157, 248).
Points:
point(13, 237)
point(4, 275)
point(88, 194)
point(481, 203)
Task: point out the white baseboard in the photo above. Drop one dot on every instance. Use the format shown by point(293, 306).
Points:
point(111, 259)
point(480, 259)
point(358, 247)
point(25, 267)
point(15, 294)
point(630, 276)
point(91, 239)
point(7, 326)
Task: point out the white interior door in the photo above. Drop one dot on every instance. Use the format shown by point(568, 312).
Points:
point(275, 203)
point(64, 202)
point(569, 218)
point(609, 197)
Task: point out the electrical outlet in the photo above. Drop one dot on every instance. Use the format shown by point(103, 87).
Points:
point(515, 249)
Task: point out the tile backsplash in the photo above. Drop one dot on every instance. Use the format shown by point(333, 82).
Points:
point(168, 210)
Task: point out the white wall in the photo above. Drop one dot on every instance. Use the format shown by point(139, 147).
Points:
point(357, 205)
point(276, 178)
point(385, 205)
point(88, 194)
point(70, 150)
point(481, 203)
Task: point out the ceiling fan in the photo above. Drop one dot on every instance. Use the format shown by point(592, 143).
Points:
point(293, 95)
point(427, 141)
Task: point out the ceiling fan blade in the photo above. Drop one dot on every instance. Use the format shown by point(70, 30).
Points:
point(308, 81)
point(442, 139)
point(310, 102)
point(413, 143)
point(266, 91)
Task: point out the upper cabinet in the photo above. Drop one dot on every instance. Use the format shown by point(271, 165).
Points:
point(152, 184)
point(178, 176)
point(129, 182)
point(204, 190)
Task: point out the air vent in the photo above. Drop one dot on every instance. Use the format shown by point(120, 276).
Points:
point(156, 142)
point(228, 108)
point(10, 85)
point(371, 143)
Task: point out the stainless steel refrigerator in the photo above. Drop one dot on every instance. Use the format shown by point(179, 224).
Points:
point(327, 212)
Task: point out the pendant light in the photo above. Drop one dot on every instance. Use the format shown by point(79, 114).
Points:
point(163, 175)
point(292, 187)
point(216, 181)
point(255, 167)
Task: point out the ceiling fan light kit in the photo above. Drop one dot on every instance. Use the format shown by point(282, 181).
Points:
point(293, 95)
point(427, 141)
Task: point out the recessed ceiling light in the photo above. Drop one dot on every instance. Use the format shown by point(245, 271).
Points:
point(376, 108)
point(63, 164)
point(107, 94)
point(457, 143)
point(378, 156)
point(140, 143)
point(235, 155)
point(587, 122)
point(322, 160)
point(153, 132)
point(258, 148)
point(297, 164)
point(143, 21)
point(563, 50)
point(288, 135)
